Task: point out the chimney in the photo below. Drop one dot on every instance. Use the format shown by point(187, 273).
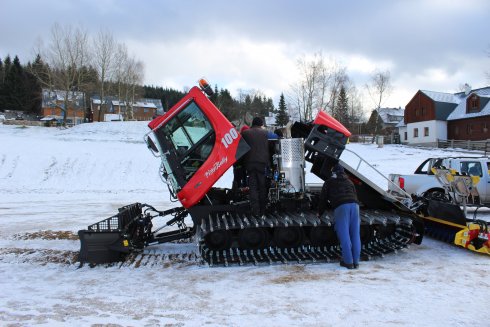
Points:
point(467, 89)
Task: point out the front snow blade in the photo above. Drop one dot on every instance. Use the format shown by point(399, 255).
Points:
point(109, 240)
point(102, 247)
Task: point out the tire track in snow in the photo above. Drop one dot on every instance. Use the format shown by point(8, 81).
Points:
point(49, 172)
point(13, 166)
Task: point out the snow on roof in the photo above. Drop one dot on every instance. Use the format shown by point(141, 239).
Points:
point(145, 105)
point(51, 97)
point(401, 124)
point(48, 118)
point(141, 103)
point(442, 96)
point(391, 115)
point(460, 111)
point(118, 103)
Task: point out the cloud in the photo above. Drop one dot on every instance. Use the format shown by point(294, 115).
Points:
point(426, 44)
point(234, 64)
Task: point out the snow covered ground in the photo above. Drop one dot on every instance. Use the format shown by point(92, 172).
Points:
point(54, 182)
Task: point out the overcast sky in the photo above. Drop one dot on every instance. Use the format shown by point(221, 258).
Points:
point(426, 44)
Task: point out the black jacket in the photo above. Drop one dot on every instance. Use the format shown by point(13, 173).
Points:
point(336, 191)
point(256, 138)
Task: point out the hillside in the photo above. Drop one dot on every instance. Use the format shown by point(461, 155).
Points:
point(54, 182)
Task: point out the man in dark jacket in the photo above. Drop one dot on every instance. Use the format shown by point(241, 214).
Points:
point(340, 192)
point(239, 172)
point(256, 164)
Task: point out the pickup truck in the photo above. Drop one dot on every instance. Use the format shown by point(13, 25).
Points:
point(423, 182)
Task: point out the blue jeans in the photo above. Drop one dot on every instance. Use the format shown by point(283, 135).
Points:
point(347, 226)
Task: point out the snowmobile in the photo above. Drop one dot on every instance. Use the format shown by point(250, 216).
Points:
point(197, 144)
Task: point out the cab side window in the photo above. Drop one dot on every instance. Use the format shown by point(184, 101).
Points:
point(472, 168)
point(192, 137)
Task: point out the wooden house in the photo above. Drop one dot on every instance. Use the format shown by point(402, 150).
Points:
point(470, 120)
point(430, 116)
point(390, 117)
point(143, 109)
point(53, 105)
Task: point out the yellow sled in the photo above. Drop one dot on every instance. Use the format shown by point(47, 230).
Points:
point(474, 237)
point(446, 221)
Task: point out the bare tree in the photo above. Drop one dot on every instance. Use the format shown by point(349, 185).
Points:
point(305, 90)
point(134, 77)
point(104, 61)
point(488, 71)
point(318, 85)
point(338, 78)
point(356, 113)
point(66, 57)
point(119, 72)
point(379, 89)
point(128, 75)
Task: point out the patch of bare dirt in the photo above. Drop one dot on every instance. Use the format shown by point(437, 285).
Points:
point(42, 256)
point(297, 274)
point(47, 235)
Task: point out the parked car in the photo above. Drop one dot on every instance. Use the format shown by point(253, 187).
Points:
point(423, 182)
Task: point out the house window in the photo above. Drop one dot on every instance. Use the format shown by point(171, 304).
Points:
point(473, 104)
point(484, 127)
point(405, 135)
point(416, 112)
point(423, 111)
point(456, 130)
point(426, 131)
point(415, 132)
point(469, 129)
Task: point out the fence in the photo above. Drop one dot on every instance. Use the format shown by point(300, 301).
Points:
point(483, 145)
point(365, 138)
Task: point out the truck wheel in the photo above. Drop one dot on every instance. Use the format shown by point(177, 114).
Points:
point(438, 195)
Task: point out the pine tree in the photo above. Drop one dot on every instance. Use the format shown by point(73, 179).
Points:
point(257, 106)
point(372, 122)
point(282, 117)
point(2, 76)
point(14, 87)
point(269, 106)
point(214, 96)
point(226, 104)
point(4, 93)
point(341, 112)
point(1, 72)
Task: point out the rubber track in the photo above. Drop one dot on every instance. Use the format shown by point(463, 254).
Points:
point(159, 260)
point(402, 236)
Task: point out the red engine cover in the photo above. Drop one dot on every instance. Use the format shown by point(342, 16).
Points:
point(325, 119)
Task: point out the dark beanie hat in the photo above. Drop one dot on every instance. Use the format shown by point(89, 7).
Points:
point(257, 122)
point(338, 169)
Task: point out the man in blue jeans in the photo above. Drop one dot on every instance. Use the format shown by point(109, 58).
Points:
point(339, 191)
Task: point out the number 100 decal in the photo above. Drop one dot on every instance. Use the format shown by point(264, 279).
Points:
point(229, 137)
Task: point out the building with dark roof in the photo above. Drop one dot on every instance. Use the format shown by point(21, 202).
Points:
point(430, 116)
